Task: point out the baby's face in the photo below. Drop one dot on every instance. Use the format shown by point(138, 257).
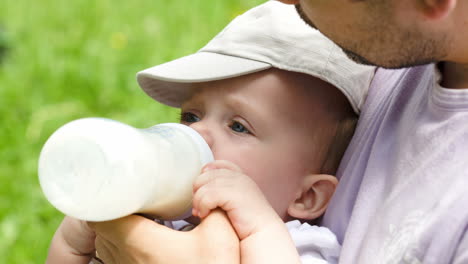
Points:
point(267, 123)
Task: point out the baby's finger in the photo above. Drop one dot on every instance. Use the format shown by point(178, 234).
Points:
point(213, 171)
point(205, 200)
point(214, 177)
point(221, 164)
point(204, 179)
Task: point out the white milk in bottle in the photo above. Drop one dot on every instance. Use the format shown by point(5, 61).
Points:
point(98, 169)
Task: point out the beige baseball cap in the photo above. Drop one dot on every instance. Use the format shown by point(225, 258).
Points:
point(269, 35)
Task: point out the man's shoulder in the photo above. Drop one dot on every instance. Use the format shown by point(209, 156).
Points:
point(391, 89)
point(398, 79)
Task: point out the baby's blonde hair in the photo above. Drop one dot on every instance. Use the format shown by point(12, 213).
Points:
point(344, 132)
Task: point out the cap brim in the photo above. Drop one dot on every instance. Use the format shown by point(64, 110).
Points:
point(171, 83)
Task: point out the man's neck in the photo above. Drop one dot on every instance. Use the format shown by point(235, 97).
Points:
point(454, 75)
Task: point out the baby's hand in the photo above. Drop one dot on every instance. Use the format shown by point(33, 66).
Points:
point(72, 243)
point(222, 184)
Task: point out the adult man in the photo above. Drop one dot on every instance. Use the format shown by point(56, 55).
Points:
point(401, 195)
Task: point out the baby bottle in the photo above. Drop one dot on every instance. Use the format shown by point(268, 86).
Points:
point(98, 169)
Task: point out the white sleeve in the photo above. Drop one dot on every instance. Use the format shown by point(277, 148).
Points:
point(315, 244)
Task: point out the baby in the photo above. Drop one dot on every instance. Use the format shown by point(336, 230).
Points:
point(277, 122)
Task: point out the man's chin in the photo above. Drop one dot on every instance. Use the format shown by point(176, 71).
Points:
point(358, 58)
point(389, 64)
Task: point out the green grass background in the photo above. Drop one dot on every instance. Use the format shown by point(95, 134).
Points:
point(70, 59)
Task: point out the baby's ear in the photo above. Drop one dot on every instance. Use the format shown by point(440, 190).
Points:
point(313, 196)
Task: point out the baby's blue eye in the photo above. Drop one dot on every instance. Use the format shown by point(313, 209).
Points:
point(238, 127)
point(188, 117)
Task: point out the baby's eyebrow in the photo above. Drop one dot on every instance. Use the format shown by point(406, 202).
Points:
point(240, 104)
point(246, 109)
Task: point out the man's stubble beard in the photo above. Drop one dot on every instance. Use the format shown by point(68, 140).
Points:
point(408, 50)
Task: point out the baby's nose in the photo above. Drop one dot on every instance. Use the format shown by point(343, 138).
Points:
point(204, 130)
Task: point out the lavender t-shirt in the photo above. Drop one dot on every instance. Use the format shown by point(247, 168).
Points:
point(403, 191)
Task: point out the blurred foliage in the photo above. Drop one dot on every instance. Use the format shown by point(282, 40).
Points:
point(3, 43)
point(72, 59)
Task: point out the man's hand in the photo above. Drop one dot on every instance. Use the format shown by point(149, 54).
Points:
point(135, 239)
point(72, 243)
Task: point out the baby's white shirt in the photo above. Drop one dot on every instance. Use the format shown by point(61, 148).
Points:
point(315, 244)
